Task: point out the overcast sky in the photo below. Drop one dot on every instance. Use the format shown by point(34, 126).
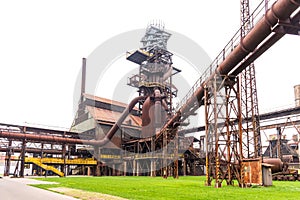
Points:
point(42, 44)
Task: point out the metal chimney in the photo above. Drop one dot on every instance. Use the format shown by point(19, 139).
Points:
point(83, 76)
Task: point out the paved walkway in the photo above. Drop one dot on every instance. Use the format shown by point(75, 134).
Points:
point(17, 189)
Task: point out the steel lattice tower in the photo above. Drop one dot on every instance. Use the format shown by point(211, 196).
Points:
point(232, 123)
point(154, 82)
point(249, 104)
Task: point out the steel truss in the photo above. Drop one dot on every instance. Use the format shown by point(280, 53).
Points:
point(223, 134)
point(249, 103)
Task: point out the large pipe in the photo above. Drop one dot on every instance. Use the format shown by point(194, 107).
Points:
point(147, 118)
point(265, 46)
point(56, 139)
point(117, 125)
point(157, 108)
point(32, 150)
point(168, 73)
point(277, 164)
point(280, 10)
point(37, 137)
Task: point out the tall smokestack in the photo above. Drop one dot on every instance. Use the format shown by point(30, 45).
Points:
point(83, 76)
point(297, 95)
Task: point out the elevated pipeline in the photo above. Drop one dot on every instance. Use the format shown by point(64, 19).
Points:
point(280, 10)
point(33, 150)
point(57, 139)
point(117, 125)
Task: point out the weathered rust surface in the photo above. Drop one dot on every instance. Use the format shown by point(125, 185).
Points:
point(253, 172)
point(57, 139)
point(281, 10)
point(109, 116)
point(276, 164)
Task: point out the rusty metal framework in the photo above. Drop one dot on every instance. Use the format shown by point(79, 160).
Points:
point(249, 102)
point(232, 149)
point(154, 81)
point(18, 146)
point(280, 147)
point(223, 127)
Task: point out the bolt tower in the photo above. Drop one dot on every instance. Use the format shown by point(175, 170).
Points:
point(154, 82)
point(154, 79)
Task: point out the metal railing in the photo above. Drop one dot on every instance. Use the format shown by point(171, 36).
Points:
point(38, 162)
point(76, 161)
point(256, 15)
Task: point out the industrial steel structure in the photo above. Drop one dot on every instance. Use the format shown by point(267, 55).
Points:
point(147, 136)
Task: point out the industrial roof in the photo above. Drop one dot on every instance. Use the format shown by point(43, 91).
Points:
point(104, 100)
point(111, 116)
point(104, 115)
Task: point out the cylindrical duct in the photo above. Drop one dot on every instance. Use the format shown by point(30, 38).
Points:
point(276, 163)
point(157, 108)
point(147, 118)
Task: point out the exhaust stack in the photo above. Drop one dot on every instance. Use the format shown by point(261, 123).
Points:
point(83, 76)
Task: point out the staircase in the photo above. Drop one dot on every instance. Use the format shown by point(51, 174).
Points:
point(38, 162)
point(46, 163)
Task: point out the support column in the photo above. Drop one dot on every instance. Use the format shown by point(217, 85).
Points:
point(98, 168)
point(134, 167)
point(153, 168)
point(165, 155)
point(63, 166)
point(83, 169)
point(88, 170)
point(8, 158)
point(99, 164)
point(42, 155)
point(224, 151)
point(184, 166)
point(107, 170)
point(23, 158)
point(114, 170)
point(125, 168)
point(69, 156)
point(279, 154)
point(137, 168)
point(175, 169)
point(248, 92)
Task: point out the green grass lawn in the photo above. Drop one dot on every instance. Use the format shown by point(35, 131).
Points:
point(191, 187)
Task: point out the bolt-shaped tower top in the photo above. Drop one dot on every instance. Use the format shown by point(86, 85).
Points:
point(155, 37)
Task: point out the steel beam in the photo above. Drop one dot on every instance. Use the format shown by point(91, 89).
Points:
point(281, 10)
